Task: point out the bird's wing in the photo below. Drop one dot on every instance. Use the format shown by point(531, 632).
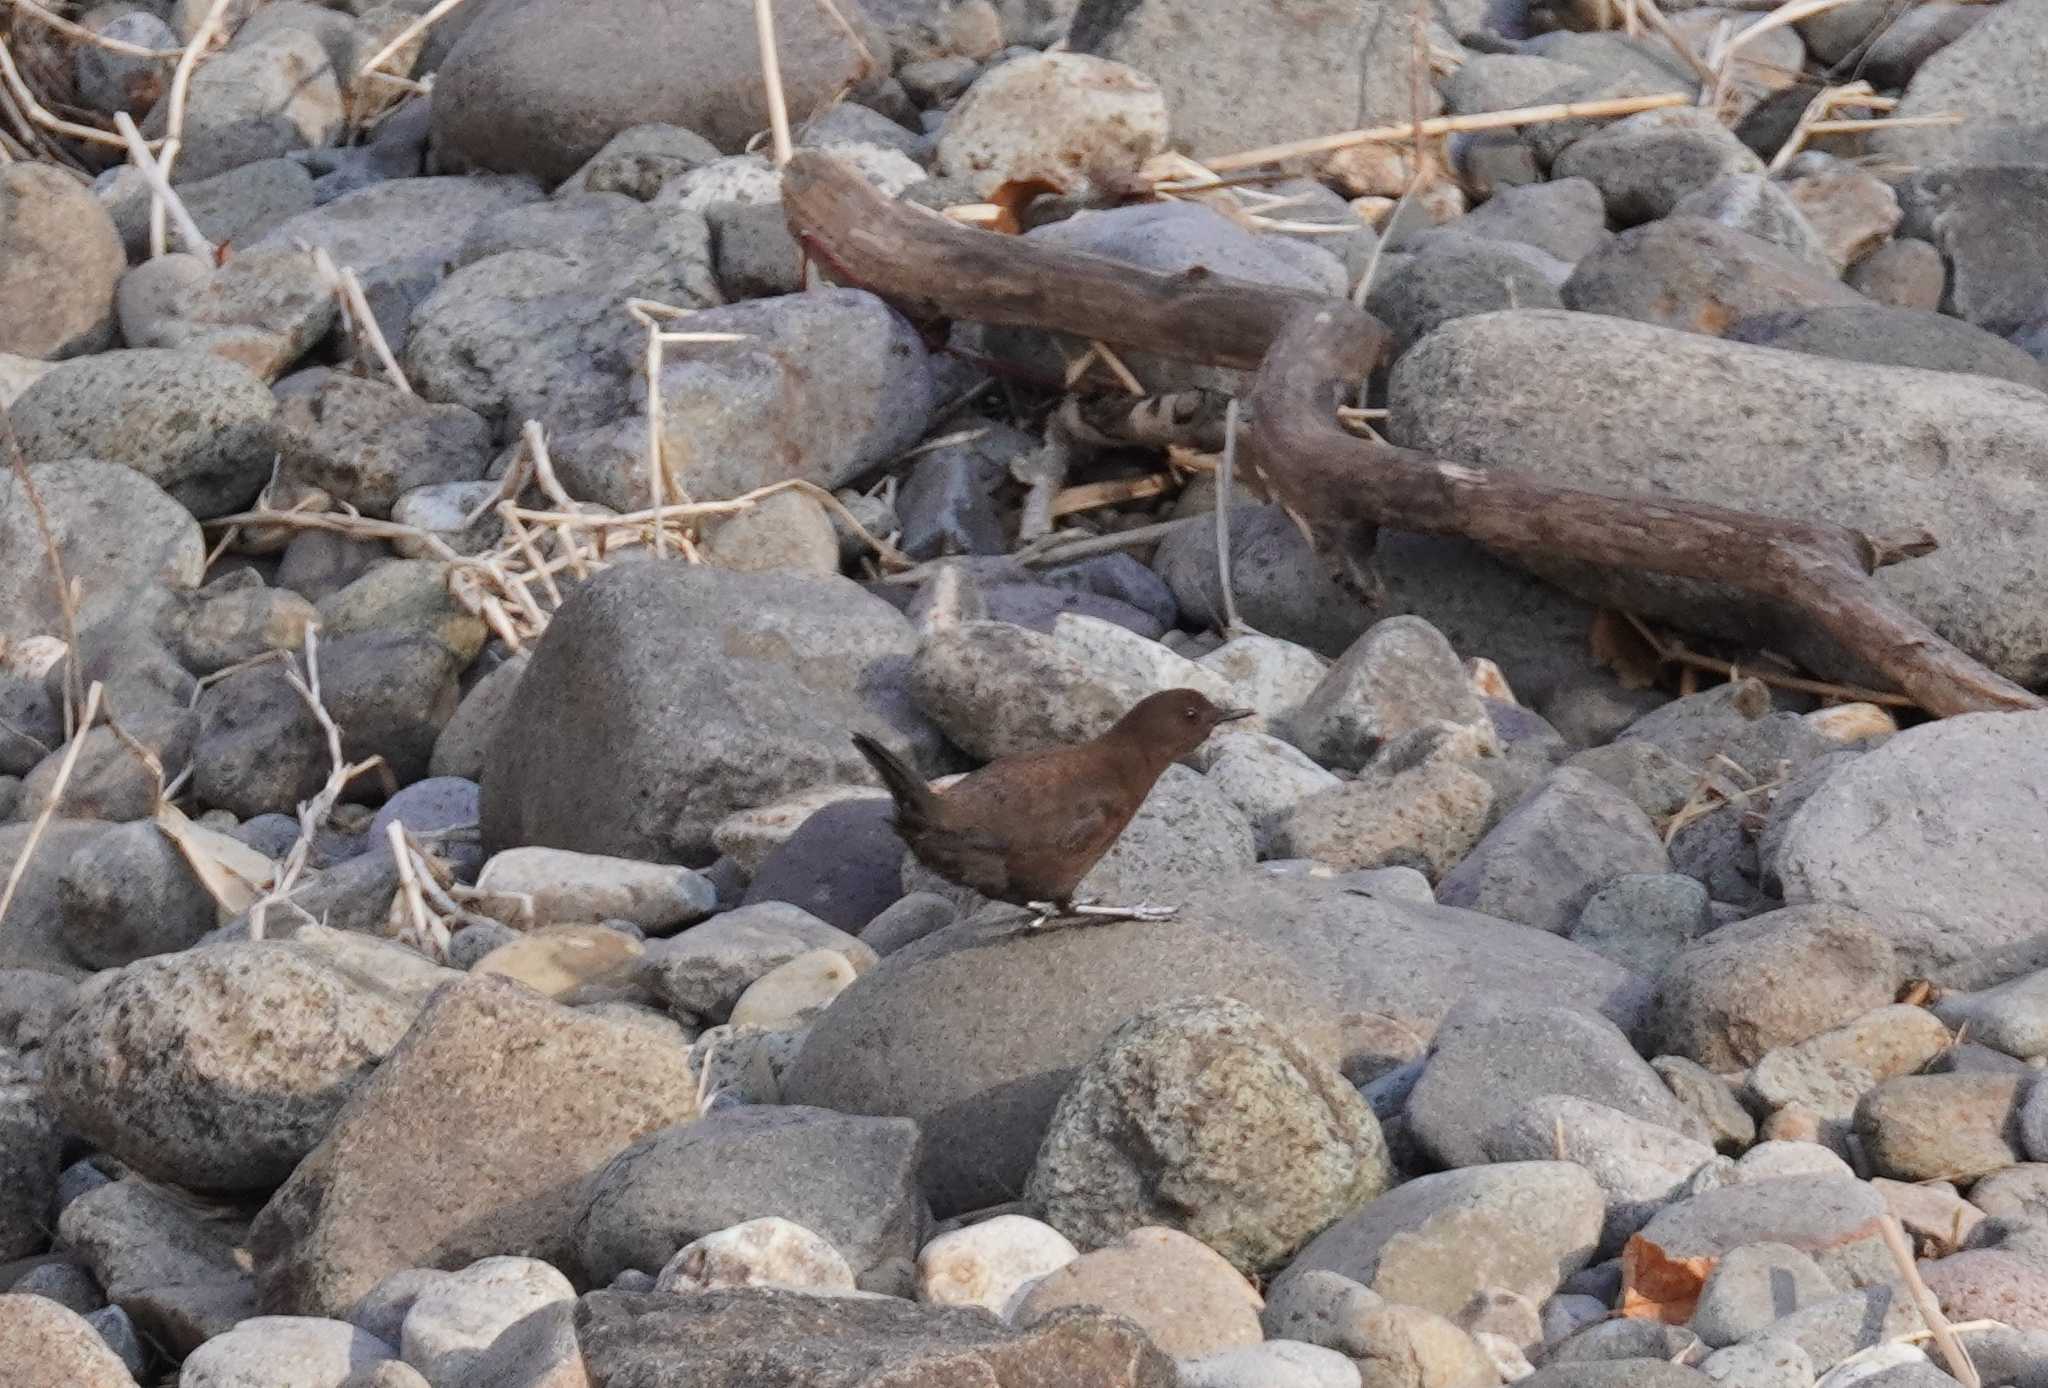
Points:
point(966, 856)
point(1088, 823)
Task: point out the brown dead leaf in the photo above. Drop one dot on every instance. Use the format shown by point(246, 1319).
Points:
point(1617, 644)
point(1655, 1286)
point(233, 873)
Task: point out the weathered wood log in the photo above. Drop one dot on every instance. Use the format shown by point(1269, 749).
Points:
point(1308, 350)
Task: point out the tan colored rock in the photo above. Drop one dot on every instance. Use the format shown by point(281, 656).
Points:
point(758, 1252)
point(43, 1342)
point(1065, 119)
point(557, 961)
point(789, 993)
point(472, 1141)
point(986, 1264)
point(581, 888)
point(1185, 1296)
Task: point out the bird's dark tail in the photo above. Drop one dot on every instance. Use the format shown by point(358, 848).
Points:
point(916, 805)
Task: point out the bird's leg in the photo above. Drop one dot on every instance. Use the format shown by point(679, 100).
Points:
point(1043, 911)
point(1093, 909)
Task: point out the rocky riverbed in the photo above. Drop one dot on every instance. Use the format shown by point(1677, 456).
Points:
point(450, 940)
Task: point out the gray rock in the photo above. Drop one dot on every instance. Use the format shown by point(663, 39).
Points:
point(984, 1090)
point(997, 689)
point(732, 1337)
point(1645, 164)
point(1947, 1127)
point(260, 748)
point(1491, 1058)
point(1641, 1166)
point(1621, 1373)
point(1436, 1241)
point(1627, 1340)
point(844, 864)
point(950, 503)
point(1342, 71)
point(1828, 1332)
point(2017, 1192)
point(684, 714)
point(492, 1168)
point(109, 80)
point(1752, 1287)
point(1541, 863)
point(1564, 217)
point(911, 919)
point(401, 238)
point(1827, 1074)
point(1772, 981)
point(1201, 1115)
point(752, 251)
point(1712, 1100)
point(31, 1004)
point(1852, 210)
point(1891, 337)
point(130, 894)
point(1282, 587)
point(543, 333)
point(535, 91)
point(366, 444)
point(34, 935)
point(462, 747)
point(1996, 77)
point(31, 722)
point(230, 621)
point(702, 972)
point(193, 1067)
point(1390, 1343)
point(1454, 277)
point(1687, 272)
point(1643, 921)
point(59, 259)
point(1906, 273)
point(1814, 408)
point(116, 532)
point(1075, 122)
point(30, 1149)
point(1973, 773)
point(1399, 676)
point(1994, 281)
point(264, 309)
point(827, 384)
point(639, 159)
point(265, 1347)
point(1425, 816)
point(849, 1179)
point(1760, 1364)
point(257, 101)
point(1752, 203)
point(1832, 1218)
point(1265, 779)
point(199, 427)
point(237, 208)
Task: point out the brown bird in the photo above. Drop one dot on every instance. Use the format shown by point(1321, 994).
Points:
point(1026, 829)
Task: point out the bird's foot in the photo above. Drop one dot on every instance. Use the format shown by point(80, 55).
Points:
point(1139, 911)
point(1092, 911)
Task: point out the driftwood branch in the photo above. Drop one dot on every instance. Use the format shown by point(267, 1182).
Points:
point(1309, 352)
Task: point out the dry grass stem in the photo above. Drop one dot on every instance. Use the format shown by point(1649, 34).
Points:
point(1676, 653)
point(1226, 479)
point(1728, 42)
point(1443, 125)
point(405, 36)
point(164, 200)
point(771, 78)
point(312, 813)
point(1125, 377)
point(67, 598)
point(1093, 496)
point(356, 316)
point(84, 35)
point(181, 84)
point(1952, 1351)
point(56, 798)
point(34, 110)
point(1857, 127)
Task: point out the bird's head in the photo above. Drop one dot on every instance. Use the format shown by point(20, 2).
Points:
point(1174, 722)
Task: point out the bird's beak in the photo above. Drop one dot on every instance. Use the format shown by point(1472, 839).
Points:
point(1232, 715)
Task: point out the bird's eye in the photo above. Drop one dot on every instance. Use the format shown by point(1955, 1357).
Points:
point(1188, 714)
